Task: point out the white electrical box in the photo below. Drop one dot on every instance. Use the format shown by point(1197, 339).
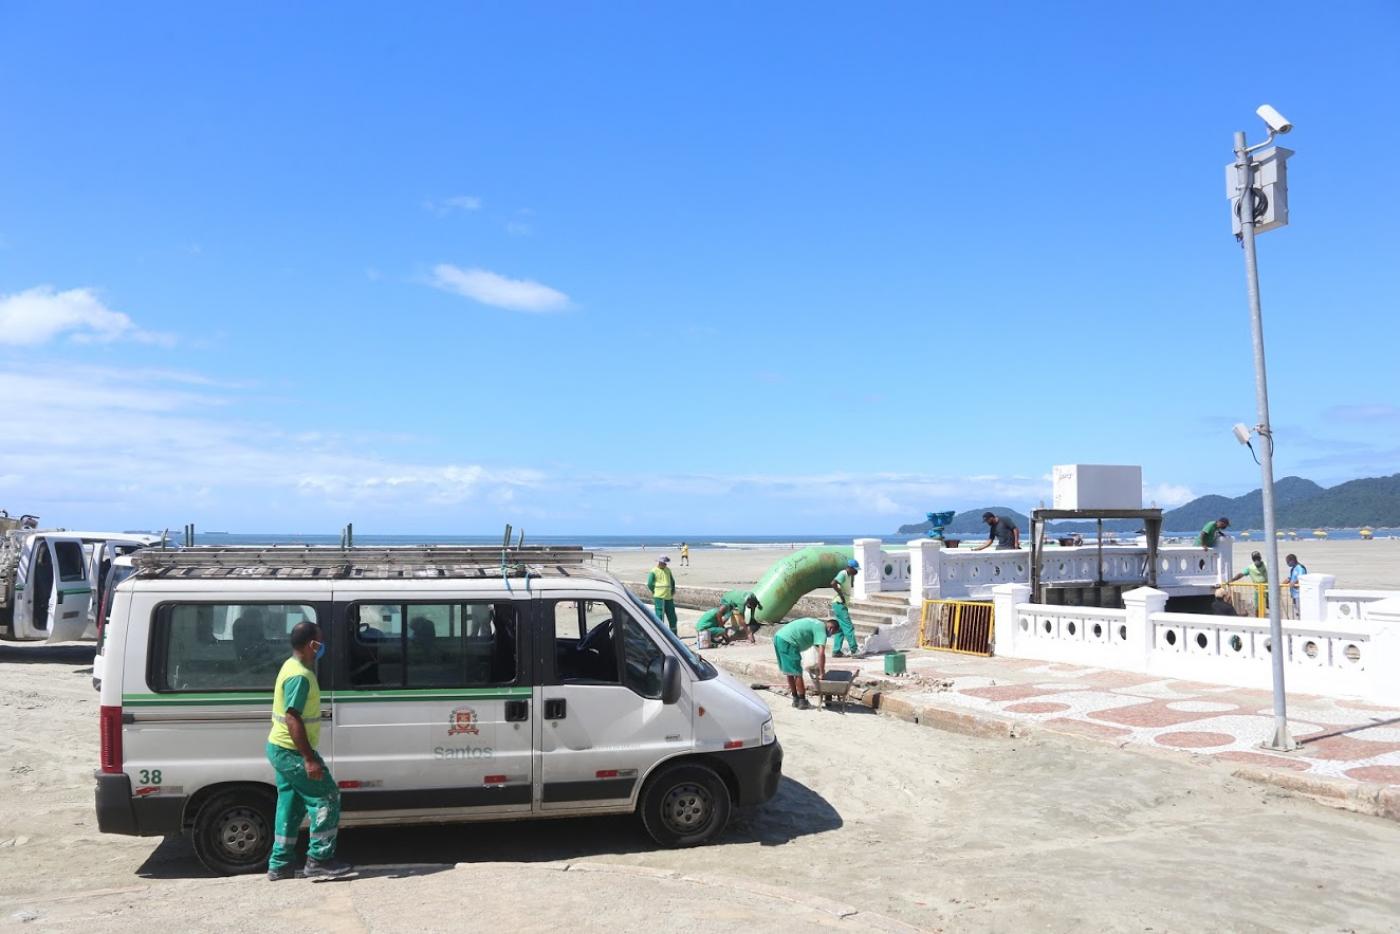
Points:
point(1270, 190)
point(1097, 486)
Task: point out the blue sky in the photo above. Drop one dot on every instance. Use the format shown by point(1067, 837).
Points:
point(661, 268)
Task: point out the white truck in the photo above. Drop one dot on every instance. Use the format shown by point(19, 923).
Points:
point(50, 579)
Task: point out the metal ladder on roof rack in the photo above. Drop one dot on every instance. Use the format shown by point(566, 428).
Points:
point(397, 561)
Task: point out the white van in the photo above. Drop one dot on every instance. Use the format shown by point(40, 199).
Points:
point(457, 685)
point(49, 579)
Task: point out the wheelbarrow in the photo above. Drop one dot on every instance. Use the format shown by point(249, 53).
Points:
point(835, 686)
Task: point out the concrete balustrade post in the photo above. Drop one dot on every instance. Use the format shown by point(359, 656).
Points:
point(1005, 599)
point(1140, 604)
point(924, 555)
point(1383, 659)
point(871, 555)
point(1226, 553)
point(1312, 597)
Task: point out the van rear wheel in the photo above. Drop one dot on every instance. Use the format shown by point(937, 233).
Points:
point(685, 805)
point(233, 831)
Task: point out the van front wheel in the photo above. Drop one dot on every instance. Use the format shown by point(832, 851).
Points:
point(233, 832)
point(685, 805)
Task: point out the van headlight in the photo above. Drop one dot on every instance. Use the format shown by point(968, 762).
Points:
point(769, 734)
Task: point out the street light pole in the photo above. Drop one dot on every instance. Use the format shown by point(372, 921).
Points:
point(1281, 741)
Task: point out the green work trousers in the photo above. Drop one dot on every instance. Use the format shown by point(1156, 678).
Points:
point(666, 610)
point(298, 795)
point(847, 630)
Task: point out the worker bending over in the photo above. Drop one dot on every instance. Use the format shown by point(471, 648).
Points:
point(743, 610)
point(790, 642)
point(710, 627)
point(842, 584)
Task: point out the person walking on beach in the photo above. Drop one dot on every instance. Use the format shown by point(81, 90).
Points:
point(1295, 571)
point(790, 642)
point(1212, 532)
point(840, 608)
point(685, 555)
point(304, 784)
point(1001, 531)
point(662, 584)
point(743, 610)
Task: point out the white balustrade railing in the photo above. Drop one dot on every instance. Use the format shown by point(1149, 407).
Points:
point(1347, 604)
point(936, 573)
point(1352, 658)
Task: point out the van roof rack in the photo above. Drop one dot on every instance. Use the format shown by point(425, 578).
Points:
point(361, 562)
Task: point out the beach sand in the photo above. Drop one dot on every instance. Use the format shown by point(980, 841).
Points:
point(1373, 565)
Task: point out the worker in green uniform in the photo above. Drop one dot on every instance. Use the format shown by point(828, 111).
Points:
point(304, 784)
point(1212, 532)
point(1257, 571)
point(790, 642)
point(662, 584)
point(842, 583)
point(743, 610)
point(713, 622)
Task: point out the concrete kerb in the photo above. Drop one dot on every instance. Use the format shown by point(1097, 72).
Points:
point(1368, 798)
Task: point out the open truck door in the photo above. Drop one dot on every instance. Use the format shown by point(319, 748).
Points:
point(70, 591)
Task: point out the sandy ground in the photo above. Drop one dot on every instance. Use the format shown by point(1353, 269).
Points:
point(878, 825)
point(1359, 565)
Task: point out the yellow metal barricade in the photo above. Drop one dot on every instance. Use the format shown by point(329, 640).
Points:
point(965, 626)
point(1252, 599)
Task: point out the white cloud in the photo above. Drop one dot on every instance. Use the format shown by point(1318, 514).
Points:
point(1167, 495)
point(489, 288)
point(518, 228)
point(463, 203)
point(38, 315)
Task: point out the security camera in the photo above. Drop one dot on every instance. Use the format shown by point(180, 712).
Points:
point(1241, 432)
point(1276, 121)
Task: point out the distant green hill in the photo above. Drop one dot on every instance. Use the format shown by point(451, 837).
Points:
point(1299, 503)
point(970, 522)
point(1245, 512)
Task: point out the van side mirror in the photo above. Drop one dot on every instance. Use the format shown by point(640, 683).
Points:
point(670, 680)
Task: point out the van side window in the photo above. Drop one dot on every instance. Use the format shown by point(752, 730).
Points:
point(590, 658)
point(222, 646)
point(70, 561)
point(432, 645)
point(641, 660)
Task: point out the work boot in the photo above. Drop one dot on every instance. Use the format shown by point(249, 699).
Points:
point(838, 654)
point(802, 704)
point(330, 869)
point(277, 875)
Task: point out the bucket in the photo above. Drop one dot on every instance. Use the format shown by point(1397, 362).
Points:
point(894, 663)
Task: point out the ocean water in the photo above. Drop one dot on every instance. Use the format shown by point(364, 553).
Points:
point(622, 542)
point(609, 542)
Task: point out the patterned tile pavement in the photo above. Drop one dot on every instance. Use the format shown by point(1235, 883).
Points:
point(1342, 738)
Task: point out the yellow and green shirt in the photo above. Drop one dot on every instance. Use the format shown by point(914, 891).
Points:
point(298, 690)
point(662, 583)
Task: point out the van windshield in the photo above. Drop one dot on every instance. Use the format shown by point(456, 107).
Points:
point(703, 669)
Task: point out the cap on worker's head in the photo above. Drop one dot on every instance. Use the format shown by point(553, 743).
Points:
point(853, 564)
point(989, 515)
point(1256, 556)
point(663, 560)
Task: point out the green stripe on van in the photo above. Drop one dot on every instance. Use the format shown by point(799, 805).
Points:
point(350, 697)
point(358, 697)
point(77, 590)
